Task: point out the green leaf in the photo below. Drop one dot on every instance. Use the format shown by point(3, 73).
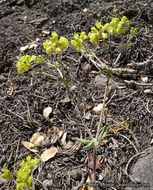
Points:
point(103, 133)
point(84, 141)
point(109, 73)
point(67, 80)
point(88, 145)
point(56, 84)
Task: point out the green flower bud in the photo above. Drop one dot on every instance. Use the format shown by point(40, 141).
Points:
point(58, 50)
point(63, 42)
point(48, 50)
point(120, 29)
point(47, 44)
point(21, 186)
point(7, 175)
point(99, 25)
point(104, 36)
point(30, 181)
point(55, 36)
point(92, 37)
point(94, 30)
point(83, 36)
point(114, 21)
point(74, 43)
point(105, 27)
point(76, 36)
point(111, 30)
point(125, 21)
point(32, 58)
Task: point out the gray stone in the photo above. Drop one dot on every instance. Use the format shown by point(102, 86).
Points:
point(142, 172)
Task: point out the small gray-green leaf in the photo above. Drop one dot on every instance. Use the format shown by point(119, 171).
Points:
point(88, 145)
point(84, 141)
point(103, 134)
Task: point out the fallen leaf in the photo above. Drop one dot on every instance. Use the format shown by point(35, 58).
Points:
point(55, 130)
point(148, 91)
point(46, 112)
point(24, 48)
point(33, 45)
point(73, 88)
point(10, 91)
point(98, 109)
point(66, 100)
point(63, 140)
point(48, 154)
point(30, 146)
point(68, 145)
point(144, 79)
point(37, 138)
point(45, 33)
point(91, 164)
point(85, 187)
point(87, 116)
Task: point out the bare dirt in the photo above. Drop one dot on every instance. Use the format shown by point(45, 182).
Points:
point(24, 97)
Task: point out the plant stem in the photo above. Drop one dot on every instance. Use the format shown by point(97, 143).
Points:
point(94, 165)
point(102, 115)
point(63, 77)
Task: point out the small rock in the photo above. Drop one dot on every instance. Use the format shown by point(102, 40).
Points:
point(87, 68)
point(39, 22)
point(142, 172)
point(100, 81)
point(76, 174)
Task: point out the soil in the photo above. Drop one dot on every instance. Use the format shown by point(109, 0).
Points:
point(24, 97)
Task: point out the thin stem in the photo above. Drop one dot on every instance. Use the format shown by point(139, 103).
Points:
point(63, 76)
point(106, 51)
point(101, 120)
point(94, 165)
point(102, 115)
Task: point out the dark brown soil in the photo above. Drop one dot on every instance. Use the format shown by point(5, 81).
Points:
point(24, 97)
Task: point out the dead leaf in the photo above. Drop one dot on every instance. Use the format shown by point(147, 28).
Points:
point(10, 91)
point(73, 88)
point(37, 138)
point(63, 140)
point(48, 154)
point(85, 187)
point(68, 145)
point(33, 45)
point(65, 100)
point(29, 146)
point(144, 78)
point(87, 116)
point(98, 109)
point(45, 33)
point(24, 48)
point(148, 91)
point(55, 130)
point(46, 112)
point(91, 164)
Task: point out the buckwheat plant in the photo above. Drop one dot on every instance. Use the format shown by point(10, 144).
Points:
point(53, 45)
point(24, 177)
point(100, 33)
